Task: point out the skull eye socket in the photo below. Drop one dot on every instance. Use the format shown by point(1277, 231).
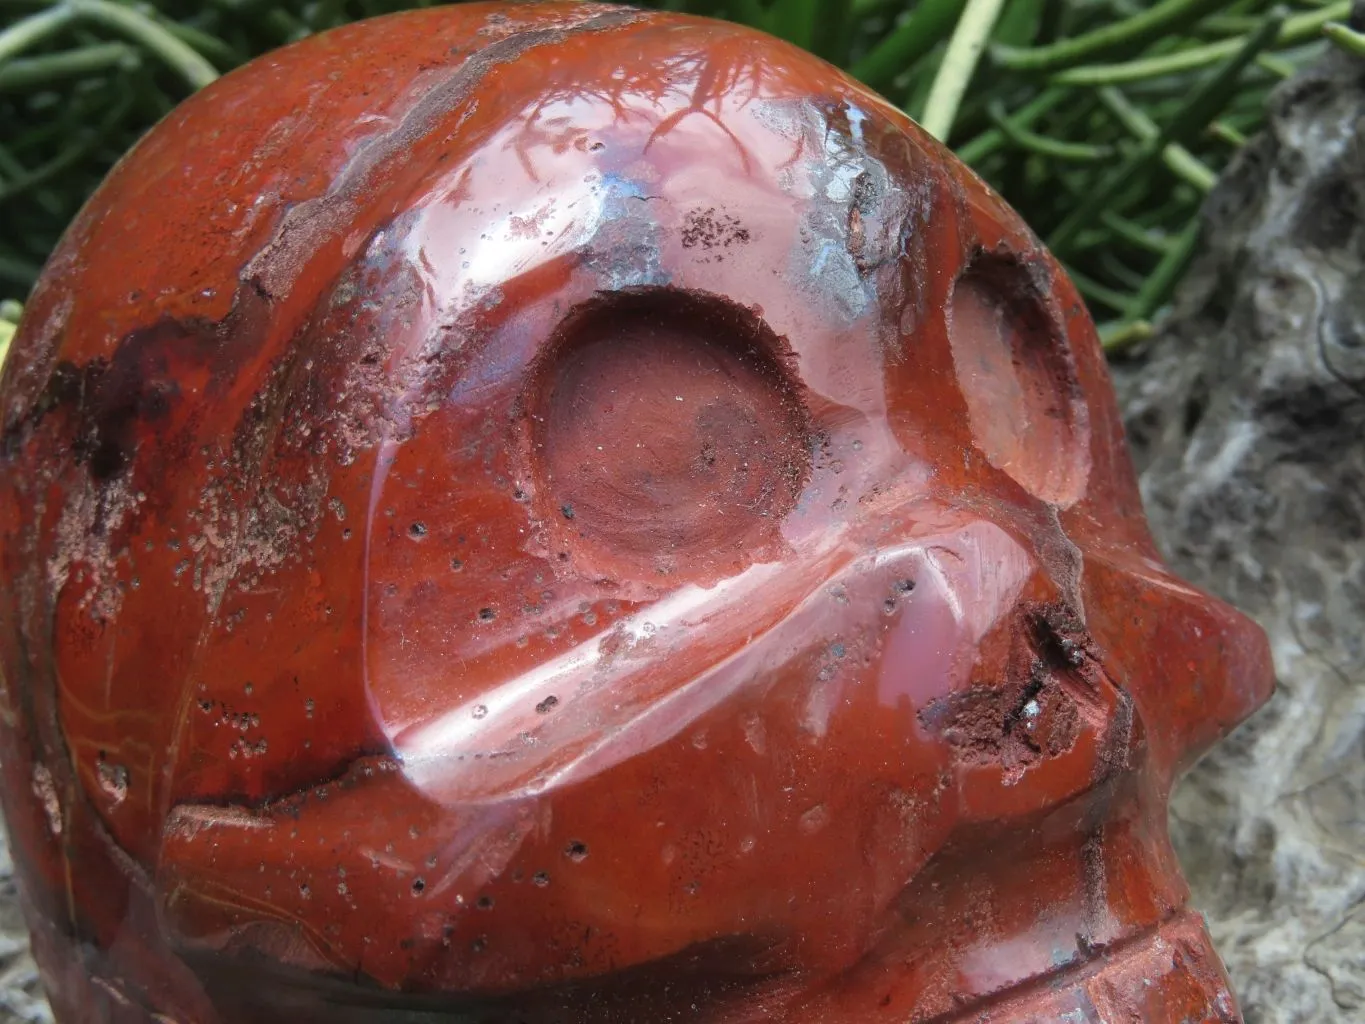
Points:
point(670, 440)
point(1024, 401)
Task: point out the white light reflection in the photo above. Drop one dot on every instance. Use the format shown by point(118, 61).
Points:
point(660, 671)
point(499, 715)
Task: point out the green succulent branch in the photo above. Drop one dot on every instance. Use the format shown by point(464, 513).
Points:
point(1104, 122)
point(10, 311)
point(1348, 39)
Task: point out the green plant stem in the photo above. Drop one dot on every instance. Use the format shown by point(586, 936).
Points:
point(1194, 114)
point(795, 21)
point(1179, 160)
point(959, 64)
point(1164, 19)
point(14, 171)
point(1089, 241)
point(1096, 292)
point(1043, 145)
point(33, 30)
point(979, 148)
point(1019, 23)
point(213, 49)
point(1135, 234)
point(821, 26)
point(1119, 271)
point(1160, 284)
point(285, 26)
point(751, 12)
point(1225, 132)
point(927, 26)
point(326, 14)
point(1156, 218)
point(921, 79)
point(1228, 24)
point(1298, 29)
point(7, 329)
point(133, 24)
point(1277, 66)
point(36, 72)
point(834, 30)
point(18, 271)
point(10, 167)
point(1122, 334)
point(76, 151)
point(1345, 37)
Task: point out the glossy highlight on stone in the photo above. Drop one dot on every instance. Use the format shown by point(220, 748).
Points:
point(556, 513)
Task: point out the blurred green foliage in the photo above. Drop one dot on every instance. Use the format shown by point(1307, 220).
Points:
point(1104, 122)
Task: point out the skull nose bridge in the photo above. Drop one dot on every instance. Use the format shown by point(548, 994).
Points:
point(1033, 712)
point(1038, 722)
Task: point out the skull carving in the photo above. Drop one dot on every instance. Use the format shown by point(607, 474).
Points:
point(559, 513)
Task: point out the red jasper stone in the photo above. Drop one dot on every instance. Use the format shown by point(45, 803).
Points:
point(559, 513)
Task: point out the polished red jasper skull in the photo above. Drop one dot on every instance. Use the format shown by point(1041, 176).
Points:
point(557, 513)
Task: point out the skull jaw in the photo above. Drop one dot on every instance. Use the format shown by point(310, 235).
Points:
point(1166, 976)
point(1079, 916)
point(1162, 974)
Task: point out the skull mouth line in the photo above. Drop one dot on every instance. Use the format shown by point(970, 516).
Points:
point(704, 971)
point(701, 968)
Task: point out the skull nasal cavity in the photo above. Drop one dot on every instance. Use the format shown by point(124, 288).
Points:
point(1024, 403)
point(672, 440)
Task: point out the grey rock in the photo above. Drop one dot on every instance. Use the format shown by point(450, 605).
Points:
point(21, 997)
point(1247, 419)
